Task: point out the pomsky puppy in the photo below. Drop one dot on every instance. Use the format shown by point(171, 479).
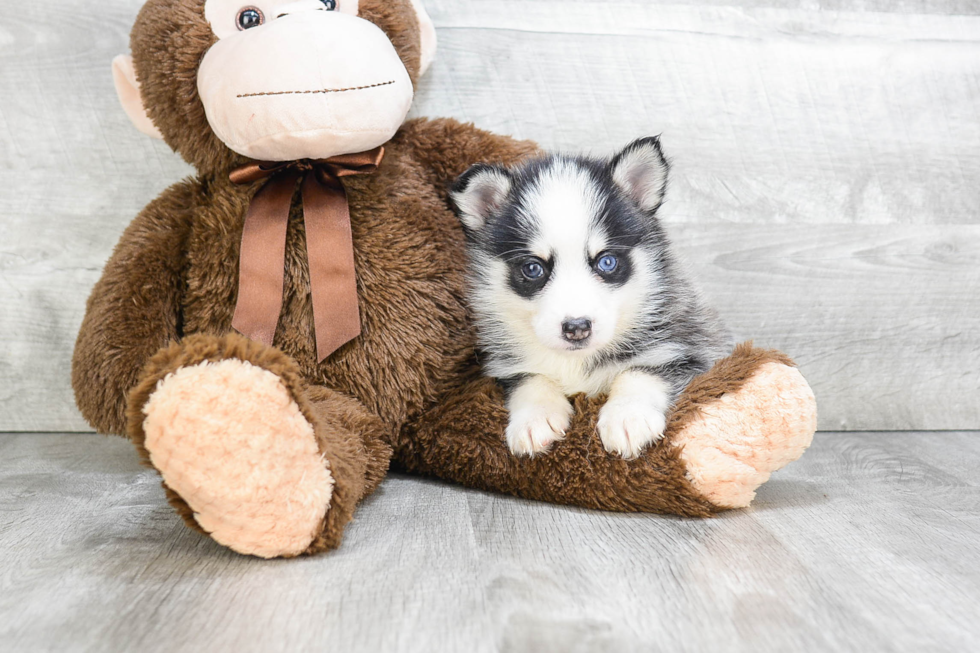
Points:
point(574, 289)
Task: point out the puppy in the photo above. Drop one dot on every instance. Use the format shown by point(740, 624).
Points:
point(574, 289)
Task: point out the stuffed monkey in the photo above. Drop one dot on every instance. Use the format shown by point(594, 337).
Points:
point(275, 332)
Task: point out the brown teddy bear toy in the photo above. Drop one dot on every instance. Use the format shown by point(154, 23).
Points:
point(275, 332)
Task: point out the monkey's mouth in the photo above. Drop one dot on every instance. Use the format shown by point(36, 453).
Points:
point(316, 91)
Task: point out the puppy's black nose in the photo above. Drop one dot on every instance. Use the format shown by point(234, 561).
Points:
point(576, 330)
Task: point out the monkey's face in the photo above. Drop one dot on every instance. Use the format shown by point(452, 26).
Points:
point(273, 80)
point(309, 79)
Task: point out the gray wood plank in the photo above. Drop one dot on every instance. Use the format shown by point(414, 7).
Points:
point(73, 173)
point(884, 321)
point(869, 542)
point(944, 7)
point(810, 125)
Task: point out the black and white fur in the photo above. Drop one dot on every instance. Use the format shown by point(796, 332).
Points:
point(574, 289)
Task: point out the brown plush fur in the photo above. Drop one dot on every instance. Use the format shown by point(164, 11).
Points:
point(409, 385)
point(135, 308)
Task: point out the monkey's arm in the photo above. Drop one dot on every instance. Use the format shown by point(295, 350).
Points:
point(447, 147)
point(134, 309)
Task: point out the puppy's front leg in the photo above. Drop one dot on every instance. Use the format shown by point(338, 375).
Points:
point(539, 414)
point(635, 414)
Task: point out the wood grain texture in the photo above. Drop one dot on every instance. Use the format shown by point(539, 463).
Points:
point(883, 320)
point(825, 172)
point(868, 543)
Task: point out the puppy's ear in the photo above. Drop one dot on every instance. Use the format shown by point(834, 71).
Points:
point(478, 193)
point(640, 170)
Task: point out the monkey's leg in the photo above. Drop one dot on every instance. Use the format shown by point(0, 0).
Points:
point(749, 415)
point(249, 453)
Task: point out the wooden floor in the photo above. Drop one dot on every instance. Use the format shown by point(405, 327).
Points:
point(871, 542)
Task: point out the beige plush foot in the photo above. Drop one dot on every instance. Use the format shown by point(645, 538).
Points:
point(229, 439)
point(739, 439)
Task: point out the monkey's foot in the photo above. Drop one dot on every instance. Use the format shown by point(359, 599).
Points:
point(228, 437)
point(737, 440)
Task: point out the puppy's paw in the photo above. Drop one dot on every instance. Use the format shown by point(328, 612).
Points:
point(635, 414)
point(539, 415)
point(626, 426)
point(534, 431)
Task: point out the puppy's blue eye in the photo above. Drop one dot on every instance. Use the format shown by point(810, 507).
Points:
point(607, 263)
point(329, 4)
point(532, 270)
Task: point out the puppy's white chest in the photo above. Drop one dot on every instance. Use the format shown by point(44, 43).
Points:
point(572, 375)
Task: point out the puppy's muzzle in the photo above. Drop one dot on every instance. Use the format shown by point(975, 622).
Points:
point(577, 330)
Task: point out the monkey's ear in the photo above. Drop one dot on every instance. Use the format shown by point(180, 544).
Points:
point(128, 90)
point(478, 193)
point(427, 32)
point(640, 170)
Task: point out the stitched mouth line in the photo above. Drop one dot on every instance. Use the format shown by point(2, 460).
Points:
point(325, 90)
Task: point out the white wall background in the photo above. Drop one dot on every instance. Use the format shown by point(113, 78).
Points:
point(826, 188)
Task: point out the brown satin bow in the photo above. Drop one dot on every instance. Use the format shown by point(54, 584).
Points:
point(329, 249)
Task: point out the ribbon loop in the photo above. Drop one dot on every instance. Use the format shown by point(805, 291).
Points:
point(329, 247)
point(253, 172)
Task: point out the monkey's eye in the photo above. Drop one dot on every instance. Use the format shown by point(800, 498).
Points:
point(249, 17)
point(329, 4)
